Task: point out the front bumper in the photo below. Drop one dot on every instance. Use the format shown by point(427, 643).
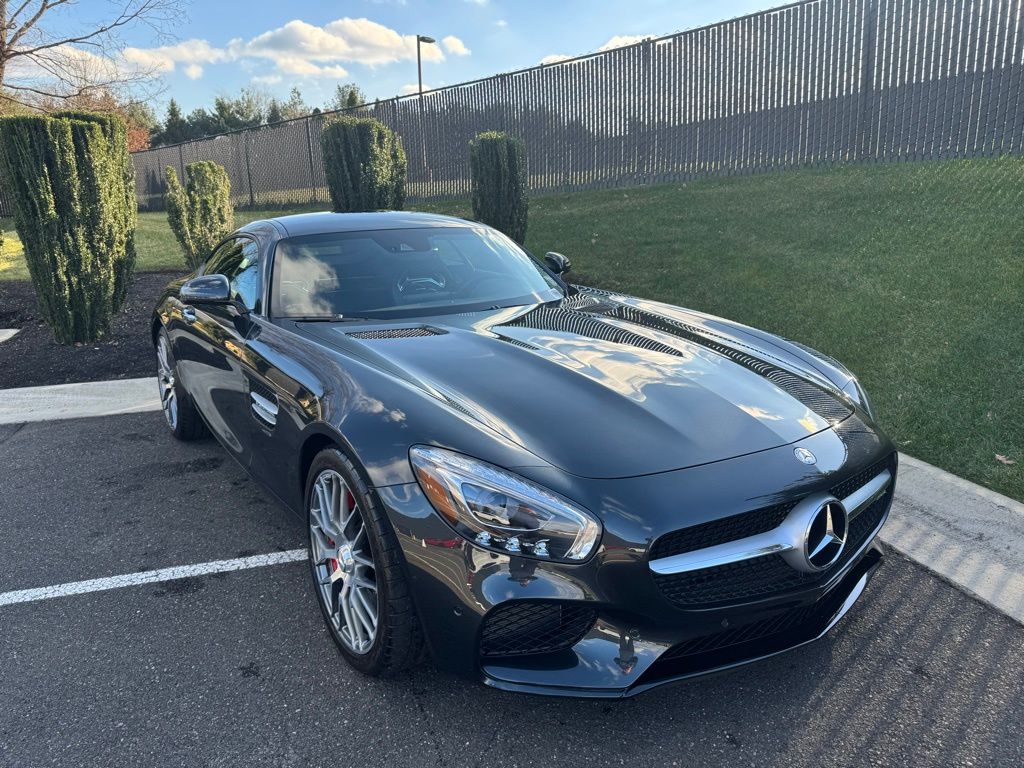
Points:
point(608, 663)
point(637, 634)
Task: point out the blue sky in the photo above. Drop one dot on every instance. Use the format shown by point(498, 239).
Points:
point(225, 45)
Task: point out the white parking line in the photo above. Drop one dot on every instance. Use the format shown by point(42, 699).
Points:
point(149, 577)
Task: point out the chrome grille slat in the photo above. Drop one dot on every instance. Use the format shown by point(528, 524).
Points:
point(778, 540)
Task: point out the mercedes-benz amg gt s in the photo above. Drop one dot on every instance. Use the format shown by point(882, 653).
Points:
point(553, 488)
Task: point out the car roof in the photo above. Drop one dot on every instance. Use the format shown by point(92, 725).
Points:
point(321, 223)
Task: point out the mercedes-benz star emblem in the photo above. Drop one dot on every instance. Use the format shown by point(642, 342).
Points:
point(826, 535)
point(804, 455)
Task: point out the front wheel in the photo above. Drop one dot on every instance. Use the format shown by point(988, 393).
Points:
point(356, 564)
point(180, 412)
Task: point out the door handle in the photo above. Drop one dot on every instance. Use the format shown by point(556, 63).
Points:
point(189, 315)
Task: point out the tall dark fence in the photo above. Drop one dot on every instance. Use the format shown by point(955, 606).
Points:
point(817, 82)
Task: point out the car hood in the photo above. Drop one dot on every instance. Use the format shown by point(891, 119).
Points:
point(604, 386)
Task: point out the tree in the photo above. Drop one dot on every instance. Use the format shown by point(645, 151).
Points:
point(50, 49)
point(73, 187)
point(138, 117)
point(247, 110)
point(200, 123)
point(497, 165)
point(295, 107)
point(364, 163)
point(175, 128)
point(200, 214)
point(274, 114)
point(347, 96)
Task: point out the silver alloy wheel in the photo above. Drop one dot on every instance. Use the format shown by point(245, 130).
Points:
point(165, 378)
point(342, 561)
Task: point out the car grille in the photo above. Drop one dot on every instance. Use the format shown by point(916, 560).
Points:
point(763, 637)
point(750, 523)
point(758, 630)
point(528, 627)
point(855, 482)
point(770, 575)
point(720, 531)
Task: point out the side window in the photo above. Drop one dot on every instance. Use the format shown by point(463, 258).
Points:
point(238, 260)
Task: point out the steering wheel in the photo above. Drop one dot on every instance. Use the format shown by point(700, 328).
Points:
point(414, 282)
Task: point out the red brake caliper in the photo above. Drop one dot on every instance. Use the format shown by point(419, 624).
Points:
point(332, 564)
point(351, 504)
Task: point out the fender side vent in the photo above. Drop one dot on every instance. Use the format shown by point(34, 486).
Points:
point(397, 333)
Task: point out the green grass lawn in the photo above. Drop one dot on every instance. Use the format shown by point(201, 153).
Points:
point(155, 244)
point(912, 275)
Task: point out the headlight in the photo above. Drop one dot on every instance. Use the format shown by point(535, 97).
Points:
point(857, 393)
point(503, 512)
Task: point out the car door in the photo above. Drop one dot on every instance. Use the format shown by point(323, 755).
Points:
point(211, 352)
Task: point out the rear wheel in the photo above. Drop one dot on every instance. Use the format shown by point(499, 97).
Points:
point(356, 564)
point(180, 413)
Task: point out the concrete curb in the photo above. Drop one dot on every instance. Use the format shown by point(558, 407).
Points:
point(968, 535)
point(73, 401)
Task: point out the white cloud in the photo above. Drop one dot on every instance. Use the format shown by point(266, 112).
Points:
point(618, 41)
point(477, 2)
point(409, 88)
point(297, 48)
point(192, 53)
point(455, 46)
point(501, 23)
point(77, 67)
point(267, 79)
point(300, 48)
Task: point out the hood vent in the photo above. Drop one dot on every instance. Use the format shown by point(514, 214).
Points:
point(397, 333)
point(825, 404)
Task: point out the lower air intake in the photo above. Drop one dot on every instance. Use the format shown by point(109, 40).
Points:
point(527, 627)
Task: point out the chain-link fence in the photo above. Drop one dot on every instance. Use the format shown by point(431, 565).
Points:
point(816, 82)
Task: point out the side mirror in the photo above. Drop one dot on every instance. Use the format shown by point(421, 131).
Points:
point(206, 289)
point(557, 263)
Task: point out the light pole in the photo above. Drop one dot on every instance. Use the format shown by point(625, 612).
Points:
point(419, 61)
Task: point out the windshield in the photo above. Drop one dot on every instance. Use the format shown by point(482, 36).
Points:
point(405, 273)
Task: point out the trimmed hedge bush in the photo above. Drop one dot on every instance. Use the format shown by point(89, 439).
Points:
point(498, 168)
point(73, 187)
point(365, 165)
point(200, 214)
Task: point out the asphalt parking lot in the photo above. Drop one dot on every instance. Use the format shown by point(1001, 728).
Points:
point(236, 669)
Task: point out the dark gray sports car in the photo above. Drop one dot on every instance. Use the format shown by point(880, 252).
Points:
point(553, 488)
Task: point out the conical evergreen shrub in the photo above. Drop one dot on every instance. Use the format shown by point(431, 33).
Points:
point(365, 165)
point(73, 187)
point(498, 168)
point(200, 214)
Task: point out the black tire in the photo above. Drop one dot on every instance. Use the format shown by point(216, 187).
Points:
point(398, 643)
point(187, 425)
